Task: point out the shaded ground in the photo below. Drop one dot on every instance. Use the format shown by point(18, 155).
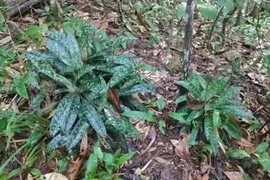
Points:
point(158, 157)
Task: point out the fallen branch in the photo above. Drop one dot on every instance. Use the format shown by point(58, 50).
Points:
point(20, 7)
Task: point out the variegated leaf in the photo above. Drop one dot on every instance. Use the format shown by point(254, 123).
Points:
point(93, 118)
point(45, 56)
point(77, 132)
point(139, 88)
point(123, 126)
point(119, 74)
point(210, 135)
point(63, 114)
point(47, 70)
point(65, 47)
point(215, 87)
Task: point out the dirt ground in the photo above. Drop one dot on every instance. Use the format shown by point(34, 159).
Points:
point(168, 157)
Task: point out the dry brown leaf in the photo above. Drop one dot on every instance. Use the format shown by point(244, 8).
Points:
point(156, 52)
point(143, 129)
point(142, 21)
point(113, 98)
point(29, 177)
point(12, 72)
point(193, 104)
point(5, 40)
point(101, 24)
point(181, 146)
point(248, 146)
point(76, 164)
point(205, 176)
point(245, 143)
point(54, 176)
point(162, 161)
point(234, 175)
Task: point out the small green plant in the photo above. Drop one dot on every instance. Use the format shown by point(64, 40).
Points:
point(212, 108)
point(96, 83)
point(103, 165)
point(261, 155)
point(30, 128)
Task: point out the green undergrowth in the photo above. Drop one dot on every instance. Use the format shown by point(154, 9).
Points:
point(213, 109)
point(94, 82)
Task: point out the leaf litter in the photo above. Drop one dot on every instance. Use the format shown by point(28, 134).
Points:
point(162, 156)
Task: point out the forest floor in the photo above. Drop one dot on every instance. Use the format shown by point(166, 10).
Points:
point(169, 157)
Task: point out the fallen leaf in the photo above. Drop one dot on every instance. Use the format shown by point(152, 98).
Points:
point(194, 104)
point(156, 52)
point(248, 146)
point(103, 25)
point(181, 146)
point(205, 176)
point(162, 161)
point(143, 129)
point(76, 164)
point(113, 98)
point(5, 40)
point(29, 177)
point(245, 143)
point(234, 175)
point(54, 176)
point(142, 21)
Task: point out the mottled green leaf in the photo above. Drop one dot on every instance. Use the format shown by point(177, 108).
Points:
point(195, 85)
point(65, 47)
point(237, 153)
point(74, 111)
point(36, 101)
point(45, 56)
point(84, 70)
point(77, 132)
point(58, 141)
point(210, 135)
point(215, 87)
point(194, 115)
point(139, 88)
point(122, 59)
point(94, 118)
point(149, 116)
point(236, 111)
point(119, 74)
point(123, 126)
point(232, 129)
point(47, 70)
point(194, 132)
point(225, 96)
point(64, 114)
point(93, 84)
point(262, 147)
point(132, 80)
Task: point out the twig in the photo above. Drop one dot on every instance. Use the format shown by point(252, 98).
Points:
point(18, 8)
point(258, 24)
point(213, 26)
